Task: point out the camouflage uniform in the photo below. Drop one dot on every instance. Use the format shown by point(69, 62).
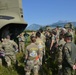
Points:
point(48, 39)
point(57, 33)
point(72, 33)
point(21, 42)
point(9, 47)
point(53, 48)
point(69, 56)
point(43, 37)
point(32, 57)
point(41, 47)
point(72, 36)
point(60, 46)
point(1, 50)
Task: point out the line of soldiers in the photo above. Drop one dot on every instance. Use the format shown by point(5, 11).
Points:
point(33, 53)
point(59, 42)
point(63, 50)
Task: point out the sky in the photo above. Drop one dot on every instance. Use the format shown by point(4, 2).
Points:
point(44, 12)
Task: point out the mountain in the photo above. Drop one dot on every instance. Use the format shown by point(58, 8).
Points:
point(34, 27)
point(61, 24)
point(74, 23)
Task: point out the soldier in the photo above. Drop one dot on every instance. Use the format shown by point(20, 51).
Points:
point(53, 43)
point(63, 31)
point(72, 33)
point(41, 46)
point(26, 36)
point(48, 39)
point(59, 49)
point(42, 36)
point(1, 54)
point(57, 33)
point(32, 57)
point(33, 33)
point(9, 47)
point(69, 55)
point(21, 42)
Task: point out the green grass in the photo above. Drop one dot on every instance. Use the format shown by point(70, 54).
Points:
point(14, 70)
point(7, 71)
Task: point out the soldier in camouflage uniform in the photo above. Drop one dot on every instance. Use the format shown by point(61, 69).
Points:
point(1, 53)
point(42, 36)
point(53, 48)
point(41, 46)
point(9, 47)
point(21, 39)
point(57, 33)
point(59, 49)
point(48, 39)
point(69, 55)
point(32, 57)
point(72, 33)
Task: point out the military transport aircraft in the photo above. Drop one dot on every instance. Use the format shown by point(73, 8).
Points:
point(11, 18)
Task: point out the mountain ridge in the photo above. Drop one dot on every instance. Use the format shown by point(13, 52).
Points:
point(36, 27)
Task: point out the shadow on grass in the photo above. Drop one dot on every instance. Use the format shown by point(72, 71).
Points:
point(20, 70)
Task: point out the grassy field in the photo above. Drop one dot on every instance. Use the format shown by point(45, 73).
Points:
point(14, 70)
